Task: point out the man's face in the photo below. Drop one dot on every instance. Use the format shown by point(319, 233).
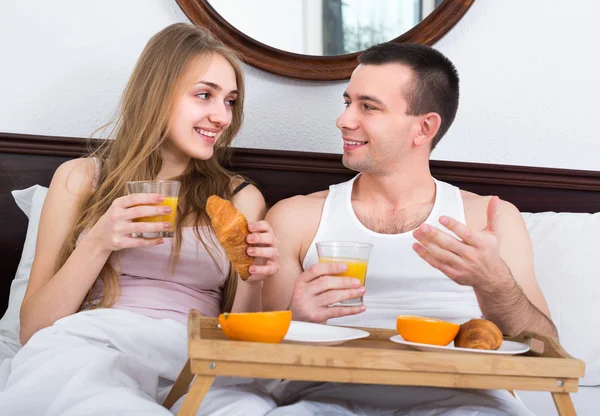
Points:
point(376, 131)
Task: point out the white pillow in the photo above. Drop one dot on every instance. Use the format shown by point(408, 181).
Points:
point(566, 248)
point(30, 201)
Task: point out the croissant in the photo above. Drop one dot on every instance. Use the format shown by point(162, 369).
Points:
point(231, 229)
point(479, 334)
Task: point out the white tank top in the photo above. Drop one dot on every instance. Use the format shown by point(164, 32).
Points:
point(399, 282)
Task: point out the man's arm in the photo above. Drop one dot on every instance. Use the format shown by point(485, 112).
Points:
point(308, 294)
point(277, 290)
point(516, 302)
point(497, 262)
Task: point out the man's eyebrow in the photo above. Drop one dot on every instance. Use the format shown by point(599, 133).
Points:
point(216, 86)
point(364, 97)
point(370, 98)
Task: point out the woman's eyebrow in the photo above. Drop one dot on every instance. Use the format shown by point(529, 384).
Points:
point(216, 86)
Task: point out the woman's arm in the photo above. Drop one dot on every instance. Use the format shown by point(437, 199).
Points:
point(51, 296)
point(248, 296)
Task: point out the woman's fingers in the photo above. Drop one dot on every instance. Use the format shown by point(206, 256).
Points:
point(266, 252)
point(132, 200)
point(144, 211)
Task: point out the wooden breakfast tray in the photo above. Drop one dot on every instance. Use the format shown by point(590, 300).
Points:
point(374, 360)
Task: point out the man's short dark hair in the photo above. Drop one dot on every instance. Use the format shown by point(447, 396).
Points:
point(435, 86)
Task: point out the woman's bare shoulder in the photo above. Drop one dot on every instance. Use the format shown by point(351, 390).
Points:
point(76, 176)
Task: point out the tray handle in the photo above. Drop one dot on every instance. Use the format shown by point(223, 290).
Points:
point(551, 346)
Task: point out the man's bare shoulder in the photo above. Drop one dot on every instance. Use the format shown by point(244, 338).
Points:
point(476, 207)
point(300, 203)
point(319, 195)
point(298, 215)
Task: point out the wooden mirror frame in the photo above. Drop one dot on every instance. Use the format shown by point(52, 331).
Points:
point(311, 67)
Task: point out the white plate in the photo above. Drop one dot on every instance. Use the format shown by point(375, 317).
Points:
point(317, 334)
point(507, 347)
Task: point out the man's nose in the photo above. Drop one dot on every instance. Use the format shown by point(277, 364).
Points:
point(347, 120)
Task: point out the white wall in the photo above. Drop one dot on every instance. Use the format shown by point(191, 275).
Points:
point(282, 29)
point(529, 79)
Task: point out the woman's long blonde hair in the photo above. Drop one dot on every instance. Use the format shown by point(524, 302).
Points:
point(140, 129)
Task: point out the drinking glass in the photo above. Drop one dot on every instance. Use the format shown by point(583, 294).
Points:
point(170, 191)
point(355, 255)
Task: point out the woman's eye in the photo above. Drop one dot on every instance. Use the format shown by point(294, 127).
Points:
point(230, 103)
point(203, 95)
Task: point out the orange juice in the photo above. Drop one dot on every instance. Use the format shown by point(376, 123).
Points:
point(170, 201)
point(356, 268)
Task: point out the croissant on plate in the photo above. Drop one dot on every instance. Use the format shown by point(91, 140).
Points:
point(478, 334)
point(231, 229)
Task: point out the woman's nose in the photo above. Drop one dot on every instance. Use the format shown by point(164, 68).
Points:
point(219, 114)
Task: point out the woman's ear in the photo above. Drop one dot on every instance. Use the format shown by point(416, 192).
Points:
point(430, 125)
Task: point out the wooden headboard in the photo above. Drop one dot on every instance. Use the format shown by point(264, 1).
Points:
point(28, 160)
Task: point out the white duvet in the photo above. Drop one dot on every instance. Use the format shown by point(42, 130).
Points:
point(105, 362)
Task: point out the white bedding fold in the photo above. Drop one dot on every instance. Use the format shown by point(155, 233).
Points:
point(106, 361)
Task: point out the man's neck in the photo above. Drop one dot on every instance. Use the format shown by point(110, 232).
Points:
point(393, 203)
point(397, 190)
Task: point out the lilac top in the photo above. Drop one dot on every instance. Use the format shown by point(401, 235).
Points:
point(151, 287)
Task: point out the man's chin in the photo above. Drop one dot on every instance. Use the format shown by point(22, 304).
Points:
point(352, 164)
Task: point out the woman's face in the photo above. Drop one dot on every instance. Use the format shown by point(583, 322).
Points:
point(202, 110)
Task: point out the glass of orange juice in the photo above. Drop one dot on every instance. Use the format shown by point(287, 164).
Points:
point(354, 255)
point(168, 189)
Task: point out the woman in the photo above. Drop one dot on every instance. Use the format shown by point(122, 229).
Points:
point(180, 110)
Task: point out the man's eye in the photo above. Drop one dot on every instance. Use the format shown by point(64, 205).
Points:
point(346, 104)
point(368, 107)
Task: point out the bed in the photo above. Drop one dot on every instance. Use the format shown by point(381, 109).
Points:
point(561, 209)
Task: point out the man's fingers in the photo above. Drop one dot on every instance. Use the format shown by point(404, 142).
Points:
point(433, 238)
point(492, 214)
point(334, 296)
point(321, 269)
point(438, 259)
point(461, 230)
point(339, 311)
point(332, 283)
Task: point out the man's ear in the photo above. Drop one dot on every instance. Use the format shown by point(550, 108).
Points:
point(428, 128)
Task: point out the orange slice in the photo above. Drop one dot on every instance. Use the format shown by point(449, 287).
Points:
point(426, 330)
point(256, 326)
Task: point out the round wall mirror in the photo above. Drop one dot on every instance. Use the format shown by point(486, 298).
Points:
point(320, 39)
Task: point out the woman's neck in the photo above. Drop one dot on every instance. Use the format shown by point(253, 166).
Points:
point(174, 163)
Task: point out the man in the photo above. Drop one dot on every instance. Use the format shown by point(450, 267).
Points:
point(437, 251)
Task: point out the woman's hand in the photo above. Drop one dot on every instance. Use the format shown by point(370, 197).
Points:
point(113, 230)
point(264, 248)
